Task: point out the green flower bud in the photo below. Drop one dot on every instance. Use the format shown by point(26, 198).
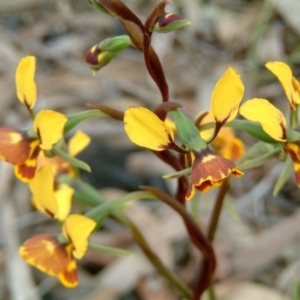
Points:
point(100, 55)
point(169, 22)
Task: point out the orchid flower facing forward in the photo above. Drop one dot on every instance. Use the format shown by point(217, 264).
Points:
point(145, 129)
point(271, 119)
point(225, 143)
point(55, 255)
point(273, 123)
point(19, 147)
point(289, 83)
point(210, 168)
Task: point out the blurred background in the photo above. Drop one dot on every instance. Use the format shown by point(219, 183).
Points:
point(259, 237)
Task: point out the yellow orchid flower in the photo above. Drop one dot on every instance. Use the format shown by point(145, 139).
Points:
point(289, 83)
point(16, 146)
point(49, 127)
point(273, 123)
point(25, 84)
point(56, 258)
point(226, 97)
point(209, 169)
point(271, 119)
point(145, 129)
point(225, 143)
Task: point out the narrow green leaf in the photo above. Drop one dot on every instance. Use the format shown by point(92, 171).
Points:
point(109, 250)
point(75, 119)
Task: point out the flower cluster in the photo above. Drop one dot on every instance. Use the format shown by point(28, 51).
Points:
point(36, 161)
point(203, 152)
point(208, 167)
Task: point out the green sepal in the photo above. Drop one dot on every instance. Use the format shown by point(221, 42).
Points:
point(109, 250)
point(169, 22)
point(75, 119)
point(284, 176)
point(188, 132)
point(253, 129)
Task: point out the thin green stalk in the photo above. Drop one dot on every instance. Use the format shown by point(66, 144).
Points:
point(72, 160)
point(85, 193)
point(154, 259)
point(211, 293)
point(109, 250)
point(214, 221)
point(195, 203)
point(198, 239)
point(255, 162)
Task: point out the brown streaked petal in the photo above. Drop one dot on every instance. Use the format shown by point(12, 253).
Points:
point(209, 169)
point(207, 185)
point(25, 172)
point(14, 145)
point(293, 149)
point(297, 173)
point(44, 252)
point(69, 276)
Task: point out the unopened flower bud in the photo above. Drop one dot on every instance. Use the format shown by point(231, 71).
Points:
point(169, 22)
point(100, 55)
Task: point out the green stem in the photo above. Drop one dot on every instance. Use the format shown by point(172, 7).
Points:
point(101, 212)
point(195, 209)
point(72, 160)
point(252, 152)
point(198, 239)
point(85, 193)
point(109, 250)
point(154, 259)
point(178, 174)
point(284, 176)
point(211, 293)
point(255, 162)
point(214, 221)
point(77, 118)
